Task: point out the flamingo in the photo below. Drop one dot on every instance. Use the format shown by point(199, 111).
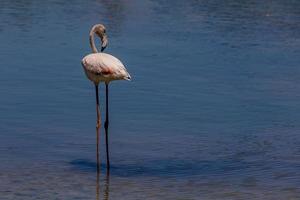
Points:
point(102, 67)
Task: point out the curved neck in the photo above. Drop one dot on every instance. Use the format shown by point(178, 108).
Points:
point(92, 41)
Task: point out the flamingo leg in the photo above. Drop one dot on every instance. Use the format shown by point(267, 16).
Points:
point(106, 127)
point(98, 125)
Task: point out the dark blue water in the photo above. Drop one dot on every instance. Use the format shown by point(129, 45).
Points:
point(212, 111)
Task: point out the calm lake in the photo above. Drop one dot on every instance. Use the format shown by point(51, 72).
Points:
point(212, 111)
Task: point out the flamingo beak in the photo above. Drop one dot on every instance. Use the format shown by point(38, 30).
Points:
point(104, 41)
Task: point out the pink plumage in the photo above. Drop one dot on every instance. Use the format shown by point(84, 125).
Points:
point(103, 67)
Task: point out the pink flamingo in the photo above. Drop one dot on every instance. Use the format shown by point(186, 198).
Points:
point(102, 67)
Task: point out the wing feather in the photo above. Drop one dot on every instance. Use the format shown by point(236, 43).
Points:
point(102, 64)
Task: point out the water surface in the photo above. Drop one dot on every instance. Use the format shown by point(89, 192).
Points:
point(212, 111)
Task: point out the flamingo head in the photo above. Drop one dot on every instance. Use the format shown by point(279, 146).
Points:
point(100, 31)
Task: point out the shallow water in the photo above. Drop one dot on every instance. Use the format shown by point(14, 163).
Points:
point(212, 111)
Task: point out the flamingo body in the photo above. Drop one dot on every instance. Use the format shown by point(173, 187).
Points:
point(103, 67)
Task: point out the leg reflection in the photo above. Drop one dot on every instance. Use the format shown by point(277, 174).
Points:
point(97, 185)
point(106, 186)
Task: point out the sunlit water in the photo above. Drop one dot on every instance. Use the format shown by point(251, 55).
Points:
point(212, 112)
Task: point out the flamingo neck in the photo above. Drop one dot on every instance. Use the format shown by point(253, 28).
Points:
point(92, 41)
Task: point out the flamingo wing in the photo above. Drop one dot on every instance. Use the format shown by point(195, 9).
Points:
point(105, 65)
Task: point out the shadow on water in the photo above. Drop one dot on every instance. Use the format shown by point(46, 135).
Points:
point(169, 168)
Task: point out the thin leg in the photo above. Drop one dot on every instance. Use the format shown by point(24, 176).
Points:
point(98, 125)
point(106, 128)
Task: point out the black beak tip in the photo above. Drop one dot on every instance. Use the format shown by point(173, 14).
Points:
point(102, 49)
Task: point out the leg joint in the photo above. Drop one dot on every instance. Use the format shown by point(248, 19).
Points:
point(98, 124)
point(106, 123)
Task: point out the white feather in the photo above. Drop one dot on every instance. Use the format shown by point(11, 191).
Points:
point(103, 67)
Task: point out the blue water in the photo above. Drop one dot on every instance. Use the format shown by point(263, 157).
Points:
point(212, 111)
